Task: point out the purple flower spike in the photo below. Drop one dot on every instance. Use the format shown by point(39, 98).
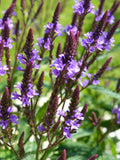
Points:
point(6, 115)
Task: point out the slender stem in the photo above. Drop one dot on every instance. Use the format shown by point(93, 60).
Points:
point(37, 151)
point(11, 146)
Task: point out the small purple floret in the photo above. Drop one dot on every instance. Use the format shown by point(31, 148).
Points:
point(117, 112)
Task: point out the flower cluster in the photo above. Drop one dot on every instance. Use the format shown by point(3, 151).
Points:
point(101, 43)
point(72, 117)
point(72, 122)
point(80, 7)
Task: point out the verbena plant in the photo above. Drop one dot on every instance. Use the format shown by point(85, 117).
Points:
point(21, 116)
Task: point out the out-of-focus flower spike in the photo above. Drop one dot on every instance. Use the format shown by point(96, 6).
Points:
point(9, 12)
point(38, 11)
point(118, 86)
point(72, 45)
point(5, 32)
point(17, 28)
point(29, 42)
point(84, 110)
point(102, 69)
point(51, 111)
point(112, 30)
point(75, 97)
point(86, 4)
point(21, 146)
point(23, 2)
point(93, 157)
point(114, 7)
point(74, 20)
point(1, 49)
point(63, 155)
point(94, 117)
point(101, 6)
point(55, 127)
point(27, 78)
point(100, 26)
point(28, 72)
point(14, 1)
point(90, 118)
point(40, 83)
point(59, 50)
point(56, 13)
point(5, 98)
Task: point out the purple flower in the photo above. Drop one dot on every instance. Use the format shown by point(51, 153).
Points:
point(26, 88)
point(32, 58)
point(78, 7)
point(72, 121)
point(110, 18)
point(3, 124)
point(44, 42)
point(71, 70)
point(41, 128)
point(69, 28)
point(9, 23)
point(15, 95)
point(81, 7)
point(95, 81)
point(13, 118)
point(47, 43)
point(7, 43)
point(66, 132)
point(53, 27)
point(117, 112)
point(3, 69)
point(101, 43)
point(6, 115)
point(84, 83)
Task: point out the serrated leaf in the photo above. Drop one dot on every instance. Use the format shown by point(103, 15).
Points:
point(106, 91)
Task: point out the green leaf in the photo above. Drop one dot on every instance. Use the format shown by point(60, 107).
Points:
point(113, 147)
point(23, 126)
point(77, 158)
point(106, 91)
point(41, 111)
point(78, 149)
point(82, 133)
